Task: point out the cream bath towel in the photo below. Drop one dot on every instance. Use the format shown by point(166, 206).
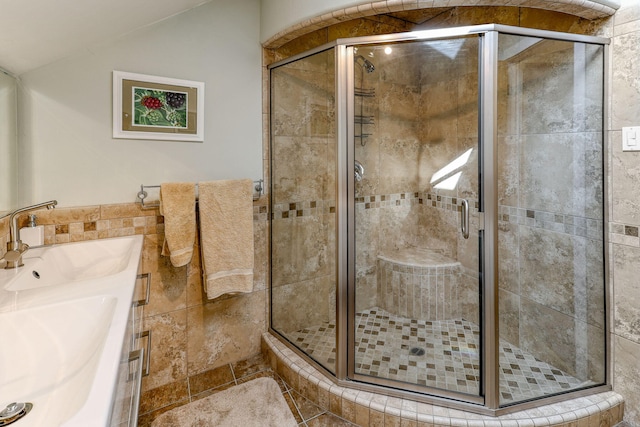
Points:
point(226, 236)
point(177, 205)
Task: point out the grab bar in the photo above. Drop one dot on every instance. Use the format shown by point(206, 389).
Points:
point(464, 220)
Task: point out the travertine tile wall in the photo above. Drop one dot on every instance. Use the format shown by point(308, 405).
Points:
point(304, 171)
point(623, 180)
point(179, 305)
point(410, 126)
point(418, 128)
point(551, 183)
point(624, 208)
point(190, 334)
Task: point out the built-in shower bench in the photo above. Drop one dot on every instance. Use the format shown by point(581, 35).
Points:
point(418, 283)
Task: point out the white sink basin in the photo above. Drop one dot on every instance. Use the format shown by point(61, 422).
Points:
point(50, 356)
point(72, 262)
point(61, 335)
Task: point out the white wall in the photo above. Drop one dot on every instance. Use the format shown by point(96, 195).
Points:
point(8, 142)
point(278, 15)
point(66, 149)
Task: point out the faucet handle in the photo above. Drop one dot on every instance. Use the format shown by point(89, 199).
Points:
point(18, 246)
point(12, 256)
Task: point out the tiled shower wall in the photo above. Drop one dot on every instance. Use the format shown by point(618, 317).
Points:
point(418, 127)
point(624, 208)
point(623, 180)
point(304, 194)
point(550, 181)
point(182, 315)
point(190, 334)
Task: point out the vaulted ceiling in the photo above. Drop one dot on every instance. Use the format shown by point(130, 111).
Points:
point(34, 33)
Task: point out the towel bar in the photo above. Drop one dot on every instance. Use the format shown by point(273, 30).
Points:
point(142, 194)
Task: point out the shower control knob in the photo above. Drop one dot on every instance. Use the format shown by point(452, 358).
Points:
point(359, 171)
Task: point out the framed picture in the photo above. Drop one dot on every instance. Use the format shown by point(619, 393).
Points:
point(151, 107)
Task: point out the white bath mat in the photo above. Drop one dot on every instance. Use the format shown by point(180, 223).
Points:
point(257, 403)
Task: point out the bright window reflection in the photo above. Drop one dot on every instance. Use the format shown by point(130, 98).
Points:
point(443, 178)
point(449, 183)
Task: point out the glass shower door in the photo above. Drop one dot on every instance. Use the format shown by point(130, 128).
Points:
point(551, 217)
point(303, 205)
point(416, 279)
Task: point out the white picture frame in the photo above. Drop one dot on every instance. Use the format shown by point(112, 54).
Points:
point(160, 108)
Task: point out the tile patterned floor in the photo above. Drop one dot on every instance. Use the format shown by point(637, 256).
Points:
point(204, 384)
point(441, 354)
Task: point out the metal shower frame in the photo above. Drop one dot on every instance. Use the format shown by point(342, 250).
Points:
point(488, 402)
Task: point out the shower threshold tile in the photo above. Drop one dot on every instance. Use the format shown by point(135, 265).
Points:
point(434, 353)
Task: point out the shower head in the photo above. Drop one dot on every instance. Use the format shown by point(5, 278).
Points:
point(366, 64)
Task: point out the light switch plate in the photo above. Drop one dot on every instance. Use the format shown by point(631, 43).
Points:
point(631, 138)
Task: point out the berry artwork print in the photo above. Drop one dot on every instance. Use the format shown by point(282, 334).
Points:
point(153, 107)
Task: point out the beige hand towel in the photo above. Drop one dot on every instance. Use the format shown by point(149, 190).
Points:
point(226, 236)
point(177, 204)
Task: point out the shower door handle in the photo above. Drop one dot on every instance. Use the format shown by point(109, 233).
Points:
point(464, 218)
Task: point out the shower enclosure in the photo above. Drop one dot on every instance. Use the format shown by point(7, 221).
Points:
point(438, 210)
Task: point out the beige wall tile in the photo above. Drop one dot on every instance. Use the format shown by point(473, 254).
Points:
point(302, 304)
point(560, 340)
point(625, 181)
point(196, 293)
point(509, 316)
point(625, 87)
point(626, 374)
point(224, 330)
point(300, 251)
point(553, 268)
point(168, 348)
point(68, 215)
point(126, 210)
point(626, 299)
point(168, 283)
point(629, 11)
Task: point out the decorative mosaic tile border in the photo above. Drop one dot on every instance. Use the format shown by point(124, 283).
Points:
point(297, 209)
point(260, 213)
point(76, 224)
point(560, 223)
point(303, 208)
point(407, 199)
point(452, 268)
point(566, 224)
point(624, 234)
point(377, 201)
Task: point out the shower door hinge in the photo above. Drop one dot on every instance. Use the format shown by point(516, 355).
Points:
point(480, 221)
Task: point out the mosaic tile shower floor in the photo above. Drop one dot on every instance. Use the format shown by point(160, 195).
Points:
point(442, 354)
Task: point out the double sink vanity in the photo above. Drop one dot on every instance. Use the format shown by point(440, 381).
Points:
point(70, 331)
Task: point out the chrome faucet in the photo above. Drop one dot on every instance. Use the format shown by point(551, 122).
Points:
point(15, 247)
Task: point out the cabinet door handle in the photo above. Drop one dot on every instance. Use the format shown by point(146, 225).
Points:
point(135, 410)
point(144, 301)
point(147, 352)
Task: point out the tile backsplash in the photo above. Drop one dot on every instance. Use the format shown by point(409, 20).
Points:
point(190, 333)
